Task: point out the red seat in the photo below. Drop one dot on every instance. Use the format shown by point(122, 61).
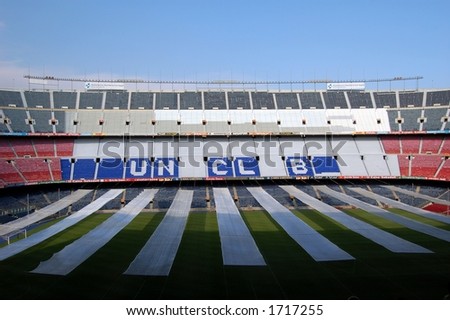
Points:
point(34, 169)
point(425, 165)
point(23, 147)
point(391, 144)
point(44, 147)
point(64, 147)
point(446, 146)
point(431, 144)
point(8, 173)
point(403, 162)
point(410, 145)
point(55, 167)
point(445, 171)
point(6, 152)
point(437, 208)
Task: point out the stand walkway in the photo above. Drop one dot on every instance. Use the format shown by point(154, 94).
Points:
point(238, 246)
point(381, 237)
point(157, 255)
point(66, 260)
point(67, 222)
point(316, 245)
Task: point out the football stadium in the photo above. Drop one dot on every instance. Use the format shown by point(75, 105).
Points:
point(224, 190)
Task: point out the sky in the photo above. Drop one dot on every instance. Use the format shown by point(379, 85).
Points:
point(206, 40)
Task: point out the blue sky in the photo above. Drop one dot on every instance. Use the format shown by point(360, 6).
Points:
point(211, 39)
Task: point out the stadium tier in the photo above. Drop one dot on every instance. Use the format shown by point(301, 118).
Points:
point(222, 113)
point(53, 136)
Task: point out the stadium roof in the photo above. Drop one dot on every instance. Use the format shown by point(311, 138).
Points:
point(268, 82)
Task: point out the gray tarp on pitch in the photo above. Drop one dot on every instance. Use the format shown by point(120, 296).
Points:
point(403, 206)
point(238, 246)
point(316, 245)
point(77, 252)
point(409, 223)
point(383, 238)
point(67, 222)
point(43, 213)
point(157, 255)
point(419, 195)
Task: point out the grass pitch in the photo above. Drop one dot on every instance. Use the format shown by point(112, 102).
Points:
point(198, 272)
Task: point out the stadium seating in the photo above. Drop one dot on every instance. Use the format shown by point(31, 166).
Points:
point(433, 119)
point(445, 148)
point(262, 100)
point(91, 100)
point(40, 121)
point(438, 98)
point(335, 99)
point(166, 101)
point(53, 159)
point(287, 101)
point(391, 144)
point(142, 100)
point(438, 208)
point(50, 112)
point(37, 99)
point(64, 99)
point(431, 144)
point(444, 171)
point(84, 169)
point(35, 147)
point(420, 156)
point(311, 100)
point(55, 168)
point(116, 100)
point(64, 147)
point(404, 164)
point(110, 169)
point(12, 98)
point(411, 119)
point(23, 148)
point(191, 121)
point(238, 100)
point(410, 144)
point(215, 100)
point(359, 99)
point(18, 120)
point(411, 99)
point(385, 99)
point(34, 169)
point(425, 165)
point(5, 150)
point(298, 126)
point(44, 147)
point(8, 173)
point(190, 101)
point(423, 144)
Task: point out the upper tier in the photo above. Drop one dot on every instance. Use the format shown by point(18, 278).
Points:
point(117, 113)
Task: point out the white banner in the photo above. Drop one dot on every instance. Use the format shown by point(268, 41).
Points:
point(346, 86)
point(104, 86)
point(38, 81)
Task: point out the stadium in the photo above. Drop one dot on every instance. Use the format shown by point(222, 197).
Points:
point(224, 190)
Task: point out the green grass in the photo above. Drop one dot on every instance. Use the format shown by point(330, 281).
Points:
point(198, 272)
